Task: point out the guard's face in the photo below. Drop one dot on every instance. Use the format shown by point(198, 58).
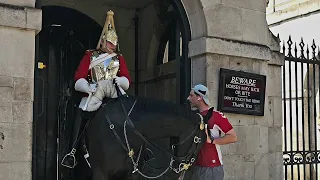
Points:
point(194, 99)
point(110, 48)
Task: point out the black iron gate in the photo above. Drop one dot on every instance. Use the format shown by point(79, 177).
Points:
point(301, 110)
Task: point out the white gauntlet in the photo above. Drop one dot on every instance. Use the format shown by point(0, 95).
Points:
point(82, 85)
point(123, 82)
point(96, 100)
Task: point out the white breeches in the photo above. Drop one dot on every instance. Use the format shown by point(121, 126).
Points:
point(104, 89)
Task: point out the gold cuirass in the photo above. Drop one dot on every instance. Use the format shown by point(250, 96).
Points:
point(106, 70)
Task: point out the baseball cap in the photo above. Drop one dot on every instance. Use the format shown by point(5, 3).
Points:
point(202, 91)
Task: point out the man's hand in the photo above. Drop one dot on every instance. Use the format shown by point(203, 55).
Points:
point(230, 137)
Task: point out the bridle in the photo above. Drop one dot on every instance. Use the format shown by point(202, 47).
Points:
point(184, 162)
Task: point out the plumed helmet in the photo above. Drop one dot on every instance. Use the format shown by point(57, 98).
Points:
point(109, 32)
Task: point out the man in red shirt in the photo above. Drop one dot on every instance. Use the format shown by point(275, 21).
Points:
point(98, 68)
point(209, 163)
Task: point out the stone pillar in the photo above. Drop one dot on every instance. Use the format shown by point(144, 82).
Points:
point(19, 23)
point(237, 38)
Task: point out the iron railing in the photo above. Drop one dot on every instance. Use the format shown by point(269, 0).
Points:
point(301, 102)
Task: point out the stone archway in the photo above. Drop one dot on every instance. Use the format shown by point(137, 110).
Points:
point(196, 17)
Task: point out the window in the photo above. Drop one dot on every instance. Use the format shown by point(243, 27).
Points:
point(170, 44)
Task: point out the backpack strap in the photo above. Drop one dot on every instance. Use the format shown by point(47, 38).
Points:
point(208, 115)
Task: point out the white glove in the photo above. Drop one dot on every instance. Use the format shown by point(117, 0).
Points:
point(123, 82)
point(82, 85)
point(95, 100)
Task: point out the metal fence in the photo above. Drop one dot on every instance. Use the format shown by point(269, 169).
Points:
point(301, 108)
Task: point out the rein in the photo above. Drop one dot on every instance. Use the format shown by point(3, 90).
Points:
point(185, 161)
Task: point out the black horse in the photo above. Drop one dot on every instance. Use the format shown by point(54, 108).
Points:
point(135, 138)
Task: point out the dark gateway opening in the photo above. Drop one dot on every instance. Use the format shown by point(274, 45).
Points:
point(66, 34)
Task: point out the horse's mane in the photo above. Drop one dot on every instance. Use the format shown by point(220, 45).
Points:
point(146, 104)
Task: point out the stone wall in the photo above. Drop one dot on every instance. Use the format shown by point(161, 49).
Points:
point(258, 152)
point(291, 10)
point(18, 27)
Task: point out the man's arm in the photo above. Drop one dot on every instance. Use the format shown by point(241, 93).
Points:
point(224, 125)
point(230, 137)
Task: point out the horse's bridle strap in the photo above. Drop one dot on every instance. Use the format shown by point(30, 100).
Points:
point(115, 132)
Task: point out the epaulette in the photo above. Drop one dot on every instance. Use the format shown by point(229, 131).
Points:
point(92, 50)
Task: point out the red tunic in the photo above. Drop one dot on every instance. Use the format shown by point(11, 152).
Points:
point(83, 68)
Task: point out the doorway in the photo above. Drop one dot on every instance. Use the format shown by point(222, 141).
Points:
point(60, 47)
point(65, 35)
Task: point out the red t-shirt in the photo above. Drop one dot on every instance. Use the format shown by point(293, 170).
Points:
point(83, 68)
point(210, 154)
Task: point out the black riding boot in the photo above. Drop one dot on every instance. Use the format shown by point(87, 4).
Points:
point(69, 159)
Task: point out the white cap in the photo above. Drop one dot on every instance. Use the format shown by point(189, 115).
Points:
point(202, 91)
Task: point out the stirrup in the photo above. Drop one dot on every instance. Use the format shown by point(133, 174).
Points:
point(69, 160)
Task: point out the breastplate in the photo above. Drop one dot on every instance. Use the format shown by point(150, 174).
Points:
point(106, 70)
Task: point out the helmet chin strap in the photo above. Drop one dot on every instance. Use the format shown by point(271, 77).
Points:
point(104, 43)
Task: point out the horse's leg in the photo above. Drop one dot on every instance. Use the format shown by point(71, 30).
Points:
point(98, 174)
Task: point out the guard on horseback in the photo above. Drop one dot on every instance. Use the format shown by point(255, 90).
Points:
point(98, 72)
point(99, 67)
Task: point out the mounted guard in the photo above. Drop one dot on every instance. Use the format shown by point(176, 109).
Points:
point(117, 158)
point(98, 72)
point(99, 67)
